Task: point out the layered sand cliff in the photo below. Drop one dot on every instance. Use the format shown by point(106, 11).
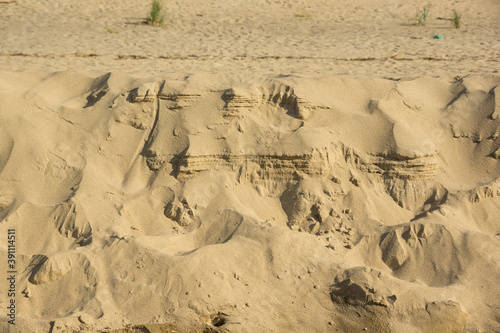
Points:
point(281, 203)
point(249, 166)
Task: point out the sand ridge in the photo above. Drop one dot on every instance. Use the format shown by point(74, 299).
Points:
point(189, 203)
point(251, 166)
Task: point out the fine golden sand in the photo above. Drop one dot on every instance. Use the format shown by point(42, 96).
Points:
point(249, 166)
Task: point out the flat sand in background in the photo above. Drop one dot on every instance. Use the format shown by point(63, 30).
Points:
point(251, 166)
point(335, 37)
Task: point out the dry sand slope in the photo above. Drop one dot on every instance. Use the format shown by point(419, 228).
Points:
point(227, 176)
point(251, 204)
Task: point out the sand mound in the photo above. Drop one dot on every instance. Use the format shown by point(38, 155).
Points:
point(276, 203)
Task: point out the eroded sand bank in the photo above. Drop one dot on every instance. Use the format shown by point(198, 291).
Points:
point(251, 166)
point(274, 203)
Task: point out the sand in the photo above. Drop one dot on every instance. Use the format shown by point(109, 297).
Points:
point(257, 166)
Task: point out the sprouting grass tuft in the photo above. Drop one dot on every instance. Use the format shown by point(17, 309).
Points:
point(303, 15)
point(422, 16)
point(156, 13)
point(456, 19)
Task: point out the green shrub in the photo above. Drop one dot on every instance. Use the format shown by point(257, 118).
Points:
point(456, 19)
point(422, 15)
point(156, 13)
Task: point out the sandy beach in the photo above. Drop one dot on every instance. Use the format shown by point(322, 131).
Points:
point(249, 166)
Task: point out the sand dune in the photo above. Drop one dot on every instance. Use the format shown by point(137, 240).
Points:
point(280, 203)
point(251, 166)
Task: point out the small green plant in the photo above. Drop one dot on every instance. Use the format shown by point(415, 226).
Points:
point(303, 15)
point(456, 19)
point(156, 13)
point(111, 31)
point(422, 15)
